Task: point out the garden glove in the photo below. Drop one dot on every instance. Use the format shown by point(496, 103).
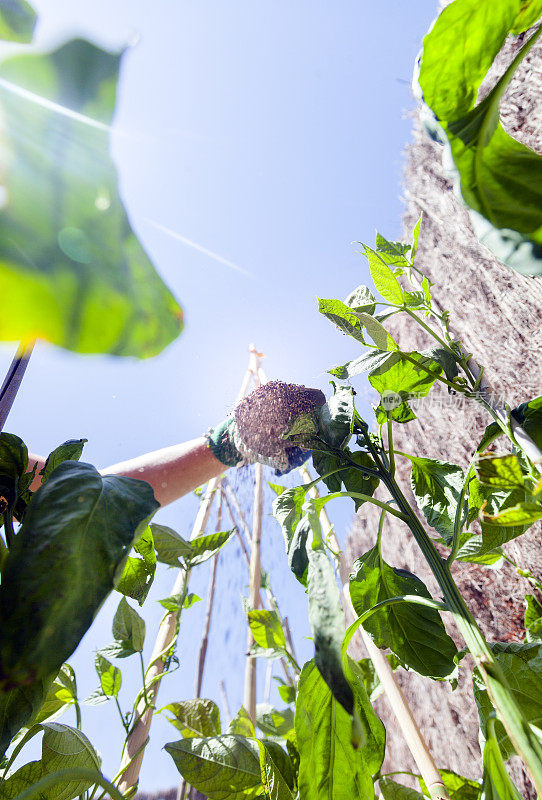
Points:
point(255, 429)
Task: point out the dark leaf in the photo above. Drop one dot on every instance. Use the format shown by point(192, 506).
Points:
point(77, 530)
point(415, 633)
point(69, 451)
point(17, 21)
point(71, 268)
point(169, 546)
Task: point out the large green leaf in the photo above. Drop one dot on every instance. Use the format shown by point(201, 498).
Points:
point(326, 618)
point(405, 378)
point(169, 546)
point(77, 529)
point(266, 628)
point(384, 279)
point(330, 768)
point(71, 268)
point(128, 629)
point(522, 667)
point(17, 21)
point(61, 695)
point(415, 633)
point(22, 779)
point(373, 731)
point(365, 363)
point(437, 486)
point(277, 774)
point(274, 722)
point(391, 790)
point(195, 718)
point(498, 177)
point(343, 317)
point(204, 547)
point(459, 787)
point(220, 767)
point(496, 780)
point(19, 706)
point(64, 747)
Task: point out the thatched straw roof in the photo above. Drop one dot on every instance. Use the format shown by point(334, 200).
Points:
point(497, 314)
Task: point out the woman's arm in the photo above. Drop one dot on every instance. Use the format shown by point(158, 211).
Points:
point(172, 472)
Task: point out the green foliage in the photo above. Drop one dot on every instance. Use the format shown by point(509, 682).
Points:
point(415, 633)
point(330, 766)
point(391, 790)
point(496, 780)
point(195, 718)
point(19, 706)
point(437, 487)
point(128, 631)
point(76, 532)
point(68, 451)
point(62, 695)
point(533, 619)
point(138, 573)
point(267, 630)
point(169, 546)
point(204, 547)
point(529, 416)
point(498, 177)
point(90, 286)
point(398, 380)
point(373, 733)
point(110, 676)
point(522, 668)
point(220, 767)
point(275, 723)
point(459, 788)
point(17, 21)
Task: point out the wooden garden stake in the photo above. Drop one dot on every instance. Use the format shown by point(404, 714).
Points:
point(12, 381)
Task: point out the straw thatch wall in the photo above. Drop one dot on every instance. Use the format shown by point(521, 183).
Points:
point(497, 314)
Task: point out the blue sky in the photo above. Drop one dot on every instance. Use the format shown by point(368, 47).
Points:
point(271, 134)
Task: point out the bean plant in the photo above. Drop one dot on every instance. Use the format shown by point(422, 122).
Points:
point(334, 740)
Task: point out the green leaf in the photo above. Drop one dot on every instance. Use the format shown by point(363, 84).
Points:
point(242, 724)
point(110, 676)
point(175, 601)
point(415, 633)
point(498, 177)
point(531, 10)
point(266, 628)
point(288, 511)
point(458, 51)
point(391, 790)
point(138, 573)
point(529, 416)
point(298, 560)
point(437, 486)
point(335, 417)
point(287, 693)
point(71, 268)
point(496, 780)
point(377, 332)
point(274, 722)
point(22, 779)
point(414, 250)
point(459, 788)
point(69, 451)
point(445, 359)
point(326, 618)
point(343, 317)
point(373, 732)
point(61, 695)
point(63, 747)
point(361, 299)
point(366, 672)
point(405, 379)
point(364, 363)
point(503, 472)
point(391, 404)
point(195, 718)
point(277, 774)
point(128, 629)
point(385, 281)
point(329, 766)
point(221, 767)
point(522, 667)
point(533, 619)
point(77, 530)
point(19, 706)
point(17, 21)
point(520, 514)
point(393, 253)
point(324, 462)
point(13, 466)
point(169, 546)
point(204, 547)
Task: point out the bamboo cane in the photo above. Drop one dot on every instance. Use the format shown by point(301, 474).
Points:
point(133, 752)
point(209, 610)
point(249, 701)
point(399, 705)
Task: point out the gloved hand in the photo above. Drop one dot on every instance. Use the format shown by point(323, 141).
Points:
point(255, 429)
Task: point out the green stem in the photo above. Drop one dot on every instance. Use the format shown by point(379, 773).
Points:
point(77, 715)
point(523, 738)
point(74, 773)
point(8, 527)
point(458, 520)
point(121, 715)
point(391, 454)
point(366, 498)
point(431, 332)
